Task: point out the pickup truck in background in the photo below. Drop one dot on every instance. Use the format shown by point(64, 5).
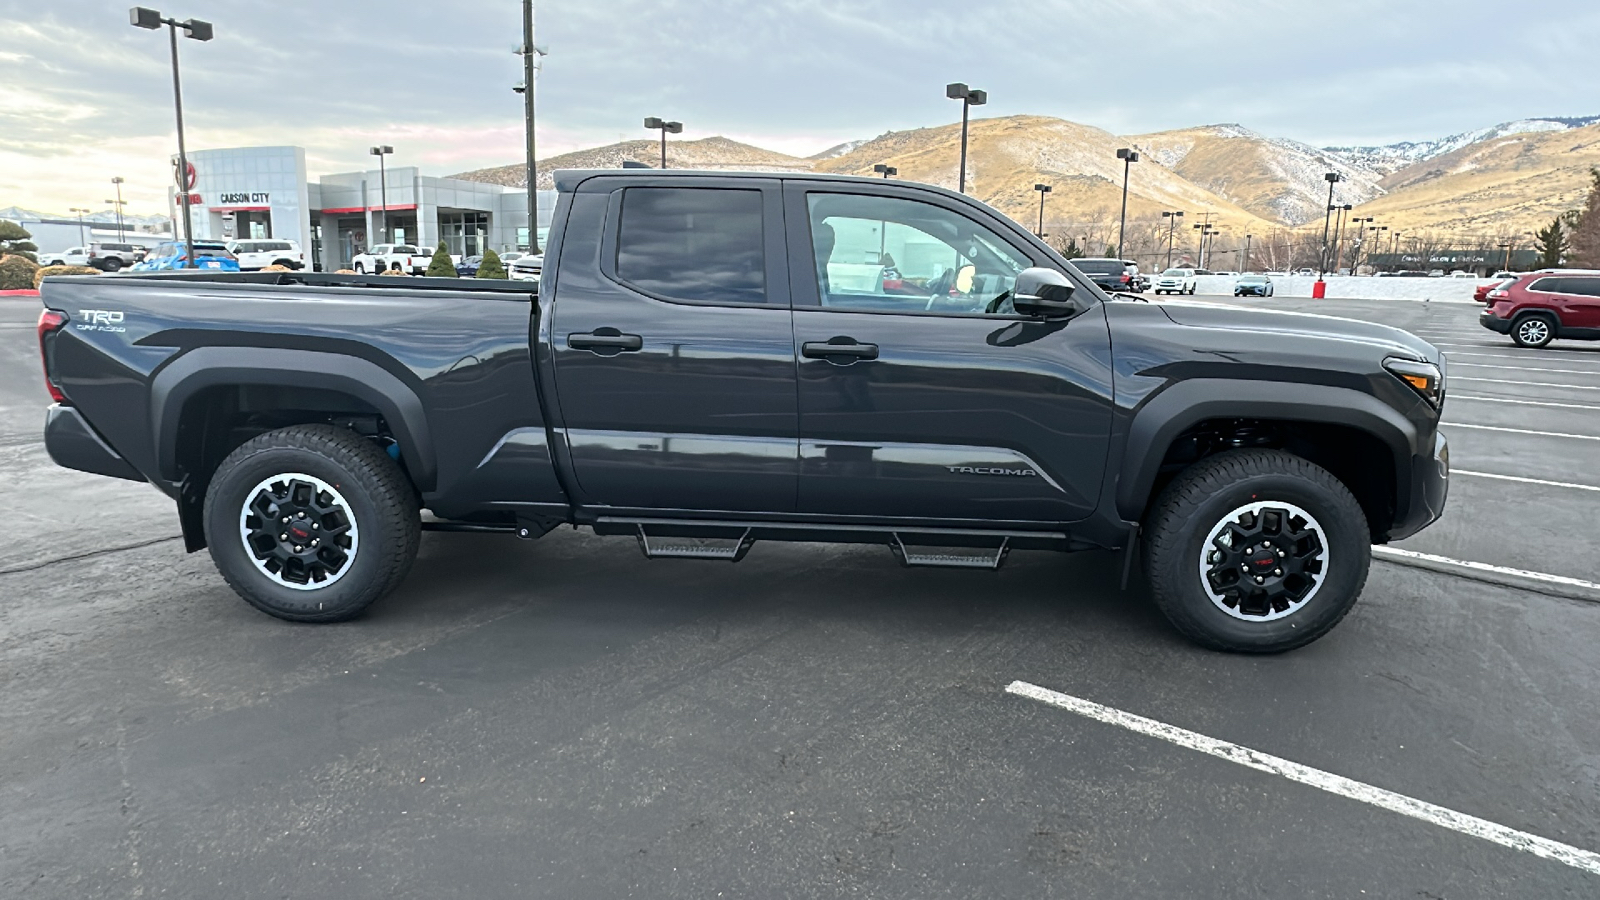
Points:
point(689, 374)
point(383, 257)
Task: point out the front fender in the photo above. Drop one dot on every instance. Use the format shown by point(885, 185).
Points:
point(207, 367)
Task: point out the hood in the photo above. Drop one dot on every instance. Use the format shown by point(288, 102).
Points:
point(1270, 322)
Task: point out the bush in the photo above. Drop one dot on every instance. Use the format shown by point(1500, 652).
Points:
point(47, 271)
point(345, 272)
point(396, 271)
point(16, 273)
point(492, 267)
point(441, 266)
point(14, 239)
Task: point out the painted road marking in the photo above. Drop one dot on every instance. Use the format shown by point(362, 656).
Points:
point(1459, 822)
point(1462, 365)
point(1561, 434)
point(1394, 553)
point(1560, 484)
point(1574, 387)
point(1521, 402)
point(1511, 351)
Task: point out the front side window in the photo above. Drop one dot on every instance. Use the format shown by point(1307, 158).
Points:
point(893, 255)
point(702, 245)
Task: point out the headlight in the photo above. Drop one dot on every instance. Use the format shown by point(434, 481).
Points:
point(1422, 377)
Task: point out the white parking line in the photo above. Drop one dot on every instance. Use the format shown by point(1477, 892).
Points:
point(1459, 822)
point(1511, 351)
point(1576, 387)
point(1521, 402)
point(1560, 434)
point(1544, 577)
point(1559, 484)
point(1462, 365)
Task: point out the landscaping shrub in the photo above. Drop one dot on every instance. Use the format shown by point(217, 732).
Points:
point(47, 271)
point(16, 273)
point(441, 266)
point(492, 267)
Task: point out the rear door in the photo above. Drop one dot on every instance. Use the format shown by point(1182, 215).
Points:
point(1581, 297)
point(929, 397)
point(674, 345)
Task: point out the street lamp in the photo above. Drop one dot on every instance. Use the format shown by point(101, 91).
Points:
point(884, 170)
point(666, 128)
point(1172, 216)
point(1338, 234)
point(969, 98)
point(118, 203)
point(530, 53)
point(1244, 266)
point(1507, 248)
point(194, 29)
point(1128, 157)
point(383, 188)
point(80, 211)
point(1042, 189)
point(1327, 220)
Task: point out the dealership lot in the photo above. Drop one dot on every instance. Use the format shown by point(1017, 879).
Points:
point(566, 719)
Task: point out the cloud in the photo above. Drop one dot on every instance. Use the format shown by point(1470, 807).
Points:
point(89, 97)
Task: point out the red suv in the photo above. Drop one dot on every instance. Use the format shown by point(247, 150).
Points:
point(1539, 307)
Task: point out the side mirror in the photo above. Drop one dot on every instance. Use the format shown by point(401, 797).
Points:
point(1045, 293)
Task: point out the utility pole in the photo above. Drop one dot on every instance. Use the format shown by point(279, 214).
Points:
point(1172, 218)
point(117, 180)
point(530, 54)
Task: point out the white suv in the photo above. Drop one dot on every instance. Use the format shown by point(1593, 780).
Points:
point(1176, 281)
point(255, 254)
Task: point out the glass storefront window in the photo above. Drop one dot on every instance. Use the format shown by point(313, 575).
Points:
point(464, 233)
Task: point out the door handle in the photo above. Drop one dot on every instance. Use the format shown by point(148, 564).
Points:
point(839, 347)
point(605, 339)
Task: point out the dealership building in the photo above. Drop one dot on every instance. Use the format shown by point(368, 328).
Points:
point(265, 192)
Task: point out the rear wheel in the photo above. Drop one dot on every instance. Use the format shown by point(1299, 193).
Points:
point(360, 270)
point(1256, 551)
point(113, 264)
point(1532, 331)
point(311, 523)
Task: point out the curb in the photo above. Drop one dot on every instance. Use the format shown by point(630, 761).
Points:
point(1537, 582)
point(19, 293)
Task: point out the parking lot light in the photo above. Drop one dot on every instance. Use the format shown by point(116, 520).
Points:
point(1172, 217)
point(194, 29)
point(383, 189)
point(666, 129)
point(1244, 264)
point(884, 170)
point(969, 98)
point(531, 54)
point(80, 211)
point(1042, 189)
point(117, 204)
point(1332, 178)
point(1128, 157)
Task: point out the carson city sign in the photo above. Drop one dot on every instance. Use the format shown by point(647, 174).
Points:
point(259, 197)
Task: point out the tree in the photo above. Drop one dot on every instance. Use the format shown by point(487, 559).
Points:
point(1067, 247)
point(14, 240)
point(491, 267)
point(1552, 243)
point(441, 266)
point(1585, 233)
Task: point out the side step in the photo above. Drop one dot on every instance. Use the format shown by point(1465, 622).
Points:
point(661, 547)
point(951, 557)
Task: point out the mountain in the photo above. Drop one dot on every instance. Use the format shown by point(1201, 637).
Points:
point(1391, 158)
point(18, 214)
point(705, 153)
point(836, 150)
point(1276, 179)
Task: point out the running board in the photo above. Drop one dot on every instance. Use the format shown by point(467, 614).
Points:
point(950, 557)
point(663, 547)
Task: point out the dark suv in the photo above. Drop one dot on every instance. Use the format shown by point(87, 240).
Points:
point(1113, 274)
point(1536, 308)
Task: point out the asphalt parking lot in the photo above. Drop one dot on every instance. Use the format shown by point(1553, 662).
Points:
point(565, 719)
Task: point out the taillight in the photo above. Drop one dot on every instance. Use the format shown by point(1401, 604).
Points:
point(1125, 279)
point(1498, 294)
point(50, 322)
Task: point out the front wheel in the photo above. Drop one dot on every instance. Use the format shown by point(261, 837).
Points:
point(360, 270)
point(1256, 551)
point(311, 523)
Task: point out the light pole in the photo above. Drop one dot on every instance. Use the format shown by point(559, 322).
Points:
point(969, 98)
point(117, 180)
point(80, 211)
point(884, 170)
point(666, 128)
point(1172, 217)
point(194, 29)
point(1338, 234)
point(530, 53)
point(1394, 248)
point(1357, 226)
point(1507, 248)
point(1244, 265)
point(1128, 157)
point(383, 189)
point(1376, 238)
point(1327, 221)
point(1042, 189)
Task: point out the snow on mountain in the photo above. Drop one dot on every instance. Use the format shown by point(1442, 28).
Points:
point(1394, 157)
point(105, 216)
point(838, 149)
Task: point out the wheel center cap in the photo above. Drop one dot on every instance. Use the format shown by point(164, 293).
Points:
point(299, 531)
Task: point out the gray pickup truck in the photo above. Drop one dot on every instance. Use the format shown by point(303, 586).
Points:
point(715, 359)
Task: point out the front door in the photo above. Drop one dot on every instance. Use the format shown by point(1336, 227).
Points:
point(922, 393)
point(674, 346)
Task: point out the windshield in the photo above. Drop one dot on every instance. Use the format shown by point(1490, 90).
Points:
point(1179, 273)
point(1252, 279)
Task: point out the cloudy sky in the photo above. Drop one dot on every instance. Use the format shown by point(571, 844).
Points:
point(84, 96)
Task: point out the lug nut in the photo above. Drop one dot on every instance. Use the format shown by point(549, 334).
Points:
point(298, 548)
point(284, 536)
point(285, 520)
point(1277, 571)
point(315, 541)
point(315, 526)
point(1260, 580)
point(300, 515)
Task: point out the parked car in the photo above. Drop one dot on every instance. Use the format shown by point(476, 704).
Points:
point(1436, 273)
point(258, 253)
point(169, 255)
point(526, 268)
point(113, 256)
point(1176, 281)
point(1481, 292)
point(705, 385)
point(1539, 307)
point(469, 266)
point(1111, 274)
point(72, 256)
point(1252, 286)
point(385, 257)
point(1306, 272)
point(1411, 273)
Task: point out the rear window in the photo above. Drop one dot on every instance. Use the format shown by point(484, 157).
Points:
point(1100, 266)
point(403, 248)
point(1548, 285)
point(696, 244)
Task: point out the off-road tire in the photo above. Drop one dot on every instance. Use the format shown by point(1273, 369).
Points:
point(1203, 496)
point(379, 497)
point(1526, 330)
